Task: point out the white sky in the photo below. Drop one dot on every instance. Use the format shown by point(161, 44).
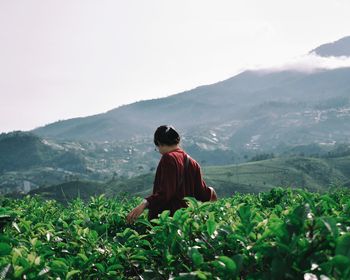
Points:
point(65, 59)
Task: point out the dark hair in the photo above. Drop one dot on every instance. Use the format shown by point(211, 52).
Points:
point(166, 135)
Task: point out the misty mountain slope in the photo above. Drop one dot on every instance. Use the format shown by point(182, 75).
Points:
point(202, 105)
point(205, 106)
point(254, 111)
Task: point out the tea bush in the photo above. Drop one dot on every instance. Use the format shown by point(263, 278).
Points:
point(281, 234)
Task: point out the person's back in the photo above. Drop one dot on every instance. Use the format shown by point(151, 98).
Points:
point(168, 193)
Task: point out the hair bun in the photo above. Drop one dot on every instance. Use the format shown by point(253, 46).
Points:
point(166, 135)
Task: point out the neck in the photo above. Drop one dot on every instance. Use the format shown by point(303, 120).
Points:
point(171, 148)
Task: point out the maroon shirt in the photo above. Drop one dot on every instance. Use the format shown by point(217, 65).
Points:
point(165, 196)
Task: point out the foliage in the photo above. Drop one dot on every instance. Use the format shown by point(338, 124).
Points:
point(263, 156)
point(280, 234)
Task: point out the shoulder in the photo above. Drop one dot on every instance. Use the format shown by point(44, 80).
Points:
point(194, 162)
point(167, 158)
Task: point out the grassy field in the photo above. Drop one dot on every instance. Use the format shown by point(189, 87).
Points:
point(314, 174)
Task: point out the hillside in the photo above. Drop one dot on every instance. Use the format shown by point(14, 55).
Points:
point(131, 168)
point(23, 150)
point(254, 111)
point(313, 174)
point(27, 161)
point(272, 105)
point(20, 150)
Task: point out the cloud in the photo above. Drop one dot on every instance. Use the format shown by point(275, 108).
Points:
point(308, 63)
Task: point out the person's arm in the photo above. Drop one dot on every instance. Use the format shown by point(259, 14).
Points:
point(145, 202)
point(167, 183)
point(213, 196)
point(136, 212)
point(202, 191)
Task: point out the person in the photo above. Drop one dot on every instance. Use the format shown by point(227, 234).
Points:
point(167, 194)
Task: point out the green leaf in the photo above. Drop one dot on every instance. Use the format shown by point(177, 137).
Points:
point(58, 265)
point(100, 267)
point(343, 245)
point(201, 275)
point(138, 257)
point(18, 270)
point(330, 224)
point(145, 222)
point(115, 267)
point(177, 214)
point(197, 258)
point(83, 257)
point(71, 273)
point(164, 215)
point(16, 254)
point(5, 249)
point(244, 213)
point(191, 202)
point(211, 224)
point(230, 264)
point(341, 262)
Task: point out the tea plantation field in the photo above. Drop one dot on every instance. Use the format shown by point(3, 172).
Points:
point(280, 234)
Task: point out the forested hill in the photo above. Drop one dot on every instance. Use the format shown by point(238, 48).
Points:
point(314, 174)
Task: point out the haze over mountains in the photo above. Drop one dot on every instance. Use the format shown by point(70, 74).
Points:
point(253, 110)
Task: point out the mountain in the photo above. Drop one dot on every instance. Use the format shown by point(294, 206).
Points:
point(264, 107)
point(253, 113)
point(260, 110)
point(340, 47)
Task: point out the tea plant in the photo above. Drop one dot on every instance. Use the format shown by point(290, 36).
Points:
point(281, 234)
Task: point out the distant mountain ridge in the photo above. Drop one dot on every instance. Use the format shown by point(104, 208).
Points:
point(228, 108)
point(253, 111)
point(340, 47)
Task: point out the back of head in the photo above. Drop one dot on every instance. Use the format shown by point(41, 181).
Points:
point(166, 135)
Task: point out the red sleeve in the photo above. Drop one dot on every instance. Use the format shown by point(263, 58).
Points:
point(167, 183)
point(201, 191)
